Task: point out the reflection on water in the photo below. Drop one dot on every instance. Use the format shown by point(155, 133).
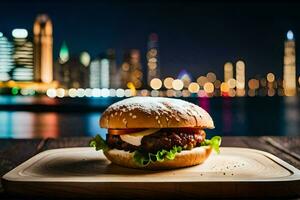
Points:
point(291, 116)
point(232, 116)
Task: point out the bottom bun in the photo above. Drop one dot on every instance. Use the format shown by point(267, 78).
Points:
point(185, 158)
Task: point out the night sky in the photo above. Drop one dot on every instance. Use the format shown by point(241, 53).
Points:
point(193, 35)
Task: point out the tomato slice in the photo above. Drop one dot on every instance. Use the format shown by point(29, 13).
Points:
point(124, 131)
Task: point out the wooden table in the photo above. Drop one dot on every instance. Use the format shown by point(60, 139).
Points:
point(15, 151)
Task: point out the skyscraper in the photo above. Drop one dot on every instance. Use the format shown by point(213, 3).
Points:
point(6, 59)
point(152, 58)
point(22, 55)
point(228, 71)
point(114, 80)
point(43, 49)
point(131, 70)
point(99, 73)
point(289, 69)
point(240, 78)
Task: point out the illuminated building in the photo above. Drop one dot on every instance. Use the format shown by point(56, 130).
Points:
point(43, 49)
point(114, 76)
point(85, 58)
point(131, 69)
point(240, 78)
point(22, 55)
point(64, 53)
point(185, 77)
point(99, 73)
point(6, 58)
point(289, 69)
point(152, 58)
point(228, 71)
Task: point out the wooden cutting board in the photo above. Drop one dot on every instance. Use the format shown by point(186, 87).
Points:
point(74, 172)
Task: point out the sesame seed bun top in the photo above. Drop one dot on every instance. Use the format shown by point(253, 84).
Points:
point(155, 112)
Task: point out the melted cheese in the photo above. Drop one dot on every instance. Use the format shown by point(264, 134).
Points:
point(136, 138)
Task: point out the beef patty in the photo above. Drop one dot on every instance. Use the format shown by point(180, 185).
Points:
point(163, 139)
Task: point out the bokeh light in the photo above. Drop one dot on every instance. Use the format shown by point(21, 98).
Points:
point(253, 84)
point(168, 82)
point(72, 92)
point(208, 87)
point(51, 93)
point(270, 77)
point(224, 87)
point(231, 83)
point(60, 92)
point(177, 84)
point(211, 77)
point(202, 80)
point(193, 87)
point(155, 83)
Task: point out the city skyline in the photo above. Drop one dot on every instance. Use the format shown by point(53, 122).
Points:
point(250, 36)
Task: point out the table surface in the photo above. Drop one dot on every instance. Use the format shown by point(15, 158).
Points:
point(15, 151)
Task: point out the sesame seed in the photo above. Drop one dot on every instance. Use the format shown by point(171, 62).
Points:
point(130, 114)
point(156, 117)
point(134, 116)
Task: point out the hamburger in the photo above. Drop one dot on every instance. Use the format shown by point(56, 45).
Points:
point(156, 133)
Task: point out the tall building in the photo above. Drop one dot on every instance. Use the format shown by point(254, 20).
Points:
point(22, 55)
point(43, 49)
point(152, 58)
point(228, 71)
point(114, 80)
point(240, 78)
point(61, 68)
point(6, 58)
point(131, 69)
point(99, 73)
point(289, 68)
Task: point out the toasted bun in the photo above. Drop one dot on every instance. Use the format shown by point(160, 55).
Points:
point(185, 158)
point(155, 112)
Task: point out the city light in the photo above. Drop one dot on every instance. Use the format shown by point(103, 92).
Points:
point(72, 92)
point(27, 68)
point(211, 77)
point(155, 83)
point(105, 92)
point(120, 92)
point(228, 71)
point(64, 53)
point(290, 35)
point(168, 82)
point(193, 87)
point(96, 92)
point(51, 93)
point(80, 92)
point(177, 84)
point(85, 58)
point(60, 92)
point(202, 80)
point(224, 87)
point(19, 33)
point(208, 87)
point(270, 77)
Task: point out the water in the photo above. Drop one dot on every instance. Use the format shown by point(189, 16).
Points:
point(42, 117)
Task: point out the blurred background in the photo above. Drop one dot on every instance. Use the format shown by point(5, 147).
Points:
point(62, 63)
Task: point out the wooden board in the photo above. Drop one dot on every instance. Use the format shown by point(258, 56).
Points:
point(73, 172)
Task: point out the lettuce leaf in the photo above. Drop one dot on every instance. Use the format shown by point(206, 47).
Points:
point(214, 142)
point(144, 159)
point(99, 143)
